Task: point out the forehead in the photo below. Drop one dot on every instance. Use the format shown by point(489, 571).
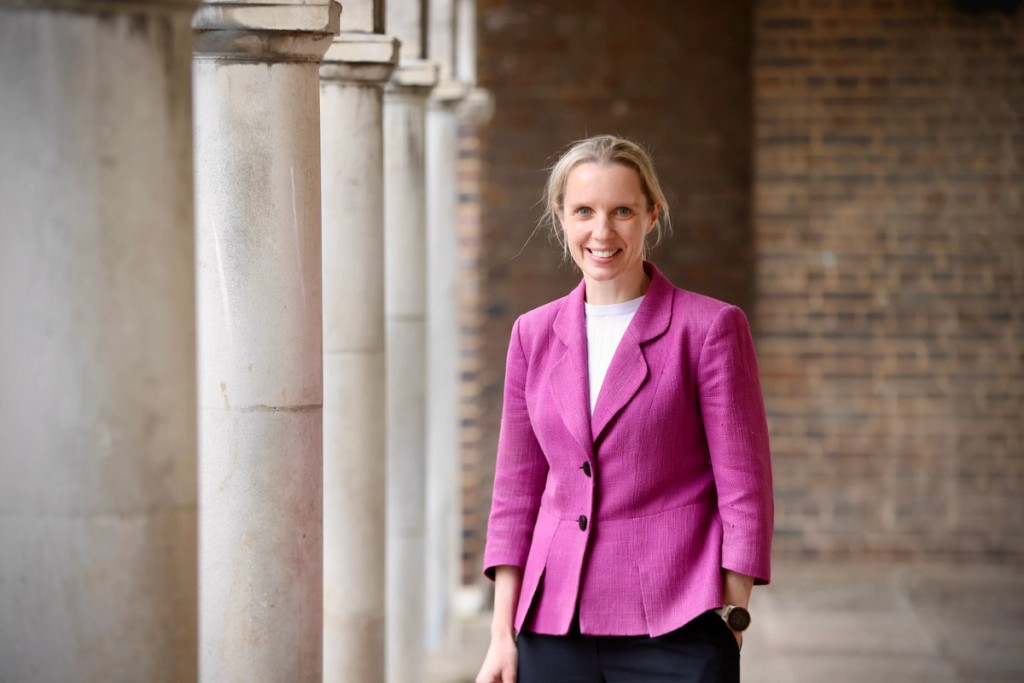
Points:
point(616, 182)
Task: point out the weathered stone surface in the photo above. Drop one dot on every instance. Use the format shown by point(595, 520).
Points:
point(352, 126)
point(258, 227)
point(97, 344)
point(405, 305)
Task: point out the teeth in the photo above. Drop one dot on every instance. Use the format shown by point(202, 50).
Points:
point(603, 254)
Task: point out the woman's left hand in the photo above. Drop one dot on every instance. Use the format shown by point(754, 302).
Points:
point(736, 589)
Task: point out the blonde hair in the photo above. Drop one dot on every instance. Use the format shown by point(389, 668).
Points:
point(605, 150)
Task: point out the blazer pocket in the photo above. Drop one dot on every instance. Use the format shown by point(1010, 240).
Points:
point(680, 563)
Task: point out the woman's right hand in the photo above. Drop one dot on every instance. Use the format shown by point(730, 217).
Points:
point(501, 664)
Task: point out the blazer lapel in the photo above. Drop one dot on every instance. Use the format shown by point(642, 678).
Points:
point(569, 375)
point(629, 367)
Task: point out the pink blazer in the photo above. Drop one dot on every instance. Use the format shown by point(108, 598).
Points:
point(632, 514)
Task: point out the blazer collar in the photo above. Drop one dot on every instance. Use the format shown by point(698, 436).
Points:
point(628, 369)
point(569, 375)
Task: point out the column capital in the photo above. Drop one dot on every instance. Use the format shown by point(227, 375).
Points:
point(477, 106)
point(414, 75)
point(276, 31)
point(448, 93)
point(357, 57)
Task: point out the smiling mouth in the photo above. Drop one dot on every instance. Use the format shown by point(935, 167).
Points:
point(603, 253)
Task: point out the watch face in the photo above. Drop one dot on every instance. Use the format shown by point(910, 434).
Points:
point(739, 619)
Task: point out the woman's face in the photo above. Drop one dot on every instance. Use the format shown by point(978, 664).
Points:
point(606, 219)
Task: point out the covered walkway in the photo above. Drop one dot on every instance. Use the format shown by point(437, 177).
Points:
point(248, 423)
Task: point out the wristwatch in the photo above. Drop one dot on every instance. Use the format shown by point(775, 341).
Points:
point(737, 618)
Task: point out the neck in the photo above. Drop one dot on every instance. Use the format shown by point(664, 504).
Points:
point(618, 290)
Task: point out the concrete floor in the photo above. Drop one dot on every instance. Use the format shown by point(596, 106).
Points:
point(858, 622)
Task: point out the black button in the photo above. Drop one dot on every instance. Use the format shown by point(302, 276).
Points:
point(583, 522)
point(586, 468)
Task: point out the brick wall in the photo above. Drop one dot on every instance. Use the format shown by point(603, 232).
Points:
point(889, 221)
point(476, 450)
point(672, 74)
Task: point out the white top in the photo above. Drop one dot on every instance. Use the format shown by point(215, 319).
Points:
point(605, 327)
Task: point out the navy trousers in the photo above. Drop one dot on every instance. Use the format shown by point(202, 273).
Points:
point(702, 651)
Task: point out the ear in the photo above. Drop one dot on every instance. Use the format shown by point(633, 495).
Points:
point(654, 218)
point(557, 211)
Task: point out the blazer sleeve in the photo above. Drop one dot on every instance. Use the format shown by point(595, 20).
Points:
point(520, 472)
point(732, 408)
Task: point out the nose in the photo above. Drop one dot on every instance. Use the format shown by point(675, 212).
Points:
point(602, 227)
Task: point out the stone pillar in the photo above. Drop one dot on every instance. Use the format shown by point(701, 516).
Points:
point(97, 348)
point(444, 543)
point(352, 75)
point(257, 146)
point(405, 305)
point(443, 490)
point(465, 41)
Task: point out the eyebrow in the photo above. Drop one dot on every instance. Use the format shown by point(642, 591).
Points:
point(617, 204)
point(628, 205)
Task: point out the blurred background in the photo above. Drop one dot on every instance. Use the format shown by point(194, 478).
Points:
point(851, 173)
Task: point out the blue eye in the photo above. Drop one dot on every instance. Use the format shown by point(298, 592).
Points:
point(583, 211)
point(623, 211)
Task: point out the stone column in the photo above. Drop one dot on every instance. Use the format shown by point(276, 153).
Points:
point(443, 490)
point(97, 348)
point(351, 95)
point(257, 146)
point(443, 340)
point(465, 41)
point(405, 305)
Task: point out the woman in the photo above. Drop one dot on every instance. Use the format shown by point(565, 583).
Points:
point(632, 510)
